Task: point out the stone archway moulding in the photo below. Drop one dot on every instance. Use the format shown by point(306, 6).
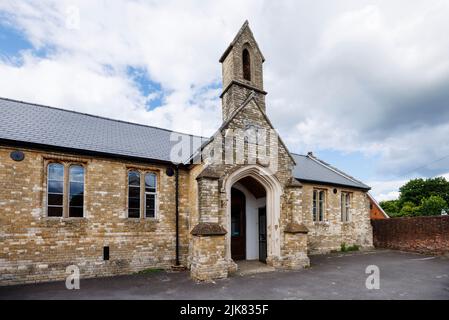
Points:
point(273, 193)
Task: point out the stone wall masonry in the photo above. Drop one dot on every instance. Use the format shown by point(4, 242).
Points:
point(207, 260)
point(332, 232)
point(429, 235)
point(295, 251)
point(232, 65)
point(36, 248)
point(208, 200)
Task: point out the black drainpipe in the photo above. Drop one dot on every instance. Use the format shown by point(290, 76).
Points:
point(177, 213)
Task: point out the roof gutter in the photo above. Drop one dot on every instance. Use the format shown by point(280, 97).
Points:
point(333, 184)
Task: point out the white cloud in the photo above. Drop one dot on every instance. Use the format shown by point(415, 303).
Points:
point(386, 190)
point(352, 75)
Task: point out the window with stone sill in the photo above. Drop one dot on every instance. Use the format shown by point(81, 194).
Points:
point(319, 202)
point(65, 190)
point(142, 195)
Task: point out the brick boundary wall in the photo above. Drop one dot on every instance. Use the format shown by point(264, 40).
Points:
point(418, 234)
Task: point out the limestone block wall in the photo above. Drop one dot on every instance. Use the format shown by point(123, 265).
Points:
point(208, 258)
point(208, 199)
point(34, 247)
point(295, 251)
point(332, 232)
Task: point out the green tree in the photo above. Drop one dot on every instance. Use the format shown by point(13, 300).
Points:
point(433, 206)
point(391, 207)
point(409, 210)
point(418, 189)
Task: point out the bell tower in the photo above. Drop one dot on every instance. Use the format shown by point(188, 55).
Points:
point(242, 69)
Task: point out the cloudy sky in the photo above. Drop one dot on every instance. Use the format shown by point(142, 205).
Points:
point(363, 84)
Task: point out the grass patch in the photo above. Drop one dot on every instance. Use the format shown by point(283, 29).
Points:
point(344, 248)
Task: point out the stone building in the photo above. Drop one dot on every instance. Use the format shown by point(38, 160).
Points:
point(113, 197)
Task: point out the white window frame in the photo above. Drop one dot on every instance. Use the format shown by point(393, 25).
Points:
point(156, 202)
point(143, 194)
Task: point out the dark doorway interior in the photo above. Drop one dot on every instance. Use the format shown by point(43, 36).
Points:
point(238, 225)
point(263, 234)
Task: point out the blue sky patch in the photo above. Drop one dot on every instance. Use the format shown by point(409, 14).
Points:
point(12, 41)
point(147, 87)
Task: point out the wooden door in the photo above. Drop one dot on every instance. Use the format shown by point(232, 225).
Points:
point(238, 225)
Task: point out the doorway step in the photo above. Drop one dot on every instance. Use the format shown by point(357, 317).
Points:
point(248, 267)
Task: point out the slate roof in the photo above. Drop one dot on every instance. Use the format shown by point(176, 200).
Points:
point(47, 126)
point(311, 169)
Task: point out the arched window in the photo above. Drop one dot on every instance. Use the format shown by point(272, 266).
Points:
point(55, 190)
point(133, 194)
point(76, 191)
point(65, 190)
point(246, 62)
point(150, 195)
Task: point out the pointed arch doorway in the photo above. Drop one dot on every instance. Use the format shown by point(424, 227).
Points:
point(253, 211)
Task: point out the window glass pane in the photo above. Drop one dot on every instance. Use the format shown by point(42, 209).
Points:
point(77, 174)
point(76, 212)
point(55, 189)
point(235, 226)
point(55, 199)
point(134, 178)
point(348, 205)
point(321, 205)
point(321, 212)
point(55, 186)
point(134, 203)
point(150, 205)
point(76, 201)
point(133, 194)
point(321, 195)
point(150, 201)
point(150, 182)
point(76, 188)
point(54, 211)
point(76, 191)
point(133, 213)
point(55, 172)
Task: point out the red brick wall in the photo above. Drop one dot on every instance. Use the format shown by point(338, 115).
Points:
point(418, 234)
